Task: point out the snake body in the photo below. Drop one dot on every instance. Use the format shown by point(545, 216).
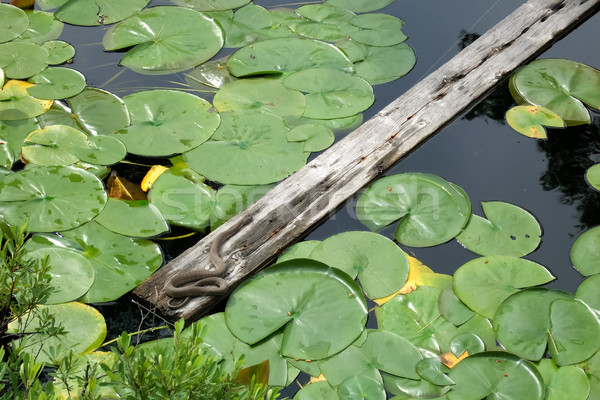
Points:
point(185, 285)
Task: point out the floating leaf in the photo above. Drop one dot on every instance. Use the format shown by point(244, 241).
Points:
point(121, 188)
point(166, 122)
point(286, 55)
point(592, 370)
point(264, 94)
point(243, 26)
point(317, 390)
point(213, 74)
point(528, 321)
point(254, 147)
point(381, 266)
point(588, 292)
point(322, 309)
point(96, 12)
point(385, 350)
point(13, 21)
point(592, 176)
point(343, 125)
point(13, 134)
point(413, 388)
point(432, 210)
point(151, 176)
point(102, 150)
point(211, 5)
point(99, 112)
point(134, 218)
point(530, 120)
point(509, 230)
point(315, 137)
point(432, 370)
point(51, 198)
point(20, 60)
point(585, 253)
point(84, 325)
point(361, 387)
point(231, 199)
point(182, 197)
point(378, 30)
point(56, 83)
point(166, 39)
point(2, 78)
point(495, 374)
point(452, 308)
point(42, 27)
point(346, 364)
point(58, 51)
point(53, 145)
point(465, 344)
point(331, 93)
point(568, 382)
point(360, 6)
point(324, 22)
point(16, 103)
point(482, 284)
point(559, 85)
point(378, 65)
point(298, 250)
point(71, 273)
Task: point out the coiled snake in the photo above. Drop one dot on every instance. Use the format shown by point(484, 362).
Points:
point(185, 285)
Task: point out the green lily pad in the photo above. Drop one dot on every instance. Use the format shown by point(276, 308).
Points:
point(183, 198)
point(231, 349)
point(84, 363)
point(20, 60)
point(13, 134)
point(531, 320)
point(315, 137)
point(13, 21)
point(84, 325)
point(58, 114)
point(298, 250)
point(317, 390)
point(42, 27)
point(97, 111)
point(243, 26)
point(592, 176)
point(431, 210)
point(509, 230)
point(58, 51)
point(416, 317)
point(562, 86)
point(378, 30)
point(211, 5)
point(120, 262)
point(231, 199)
point(265, 94)
point(588, 292)
point(331, 93)
point(569, 382)
point(282, 19)
point(2, 78)
point(214, 74)
point(346, 364)
point(17, 104)
point(51, 198)
point(53, 145)
point(248, 148)
point(384, 350)
point(166, 39)
point(379, 65)
point(56, 83)
point(360, 6)
point(495, 375)
point(361, 387)
point(324, 22)
point(452, 308)
point(97, 12)
point(466, 342)
point(406, 388)
point(433, 371)
point(338, 125)
point(72, 275)
point(322, 311)
point(592, 370)
point(286, 55)
point(100, 171)
point(166, 122)
point(102, 150)
point(585, 253)
point(482, 284)
point(381, 266)
point(530, 120)
point(136, 218)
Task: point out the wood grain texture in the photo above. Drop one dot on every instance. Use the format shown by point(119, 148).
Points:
point(315, 192)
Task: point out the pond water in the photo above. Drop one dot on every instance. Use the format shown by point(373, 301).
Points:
point(477, 151)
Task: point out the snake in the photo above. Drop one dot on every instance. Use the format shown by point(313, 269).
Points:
point(186, 285)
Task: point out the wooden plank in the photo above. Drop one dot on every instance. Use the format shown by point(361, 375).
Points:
point(315, 192)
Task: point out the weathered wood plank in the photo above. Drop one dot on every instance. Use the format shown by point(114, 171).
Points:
point(322, 186)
